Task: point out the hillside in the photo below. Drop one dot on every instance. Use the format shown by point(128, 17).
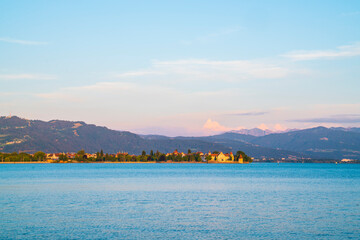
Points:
point(319, 142)
point(17, 134)
point(241, 141)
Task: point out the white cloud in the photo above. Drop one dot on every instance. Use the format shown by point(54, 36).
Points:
point(214, 126)
point(23, 42)
point(263, 126)
point(60, 96)
point(26, 76)
point(105, 86)
point(342, 51)
point(191, 70)
point(137, 74)
point(278, 127)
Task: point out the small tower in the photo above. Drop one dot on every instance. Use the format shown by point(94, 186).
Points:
point(241, 159)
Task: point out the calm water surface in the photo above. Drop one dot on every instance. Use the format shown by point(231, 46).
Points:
point(179, 201)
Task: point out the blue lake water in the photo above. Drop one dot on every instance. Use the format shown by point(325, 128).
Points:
point(179, 201)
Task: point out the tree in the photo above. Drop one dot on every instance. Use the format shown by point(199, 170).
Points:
point(24, 157)
point(178, 158)
point(80, 155)
point(128, 158)
point(151, 153)
point(63, 157)
point(40, 156)
point(189, 151)
point(81, 152)
point(121, 158)
point(245, 157)
point(143, 153)
point(162, 158)
point(143, 158)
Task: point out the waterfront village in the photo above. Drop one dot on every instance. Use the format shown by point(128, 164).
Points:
point(152, 157)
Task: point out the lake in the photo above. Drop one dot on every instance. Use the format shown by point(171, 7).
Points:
point(180, 201)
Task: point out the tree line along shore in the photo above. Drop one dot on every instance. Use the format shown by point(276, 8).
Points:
point(151, 157)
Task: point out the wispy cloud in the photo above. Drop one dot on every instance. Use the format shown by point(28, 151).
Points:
point(60, 96)
point(203, 69)
point(201, 75)
point(23, 42)
point(105, 86)
point(137, 74)
point(247, 114)
point(342, 51)
point(339, 118)
point(7, 94)
point(26, 76)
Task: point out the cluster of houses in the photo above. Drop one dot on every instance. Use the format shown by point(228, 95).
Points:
point(56, 156)
point(207, 157)
point(213, 157)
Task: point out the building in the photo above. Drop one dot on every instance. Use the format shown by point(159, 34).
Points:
point(241, 159)
point(52, 156)
point(221, 157)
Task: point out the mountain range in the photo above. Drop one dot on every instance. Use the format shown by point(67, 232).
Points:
point(18, 134)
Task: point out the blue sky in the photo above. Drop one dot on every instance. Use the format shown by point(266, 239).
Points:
point(182, 68)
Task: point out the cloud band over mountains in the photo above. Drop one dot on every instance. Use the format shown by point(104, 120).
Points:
point(341, 118)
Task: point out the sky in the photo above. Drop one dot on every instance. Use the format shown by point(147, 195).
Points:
point(187, 68)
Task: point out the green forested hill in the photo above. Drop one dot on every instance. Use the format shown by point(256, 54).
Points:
point(18, 134)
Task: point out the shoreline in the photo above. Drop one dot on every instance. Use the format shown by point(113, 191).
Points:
point(328, 162)
point(117, 162)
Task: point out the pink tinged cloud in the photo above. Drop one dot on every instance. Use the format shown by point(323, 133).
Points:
point(263, 126)
point(214, 126)
point(279, 128)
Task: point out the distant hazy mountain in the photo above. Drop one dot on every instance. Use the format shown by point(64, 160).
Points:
point(236, 142)
point(319, 142)
point(240, 141)
point(17, 134)
point(257, 132)
point(254, 132)
point(354, 129)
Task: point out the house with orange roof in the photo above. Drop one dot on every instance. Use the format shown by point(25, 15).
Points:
point(176, 153)
point(221, 157)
